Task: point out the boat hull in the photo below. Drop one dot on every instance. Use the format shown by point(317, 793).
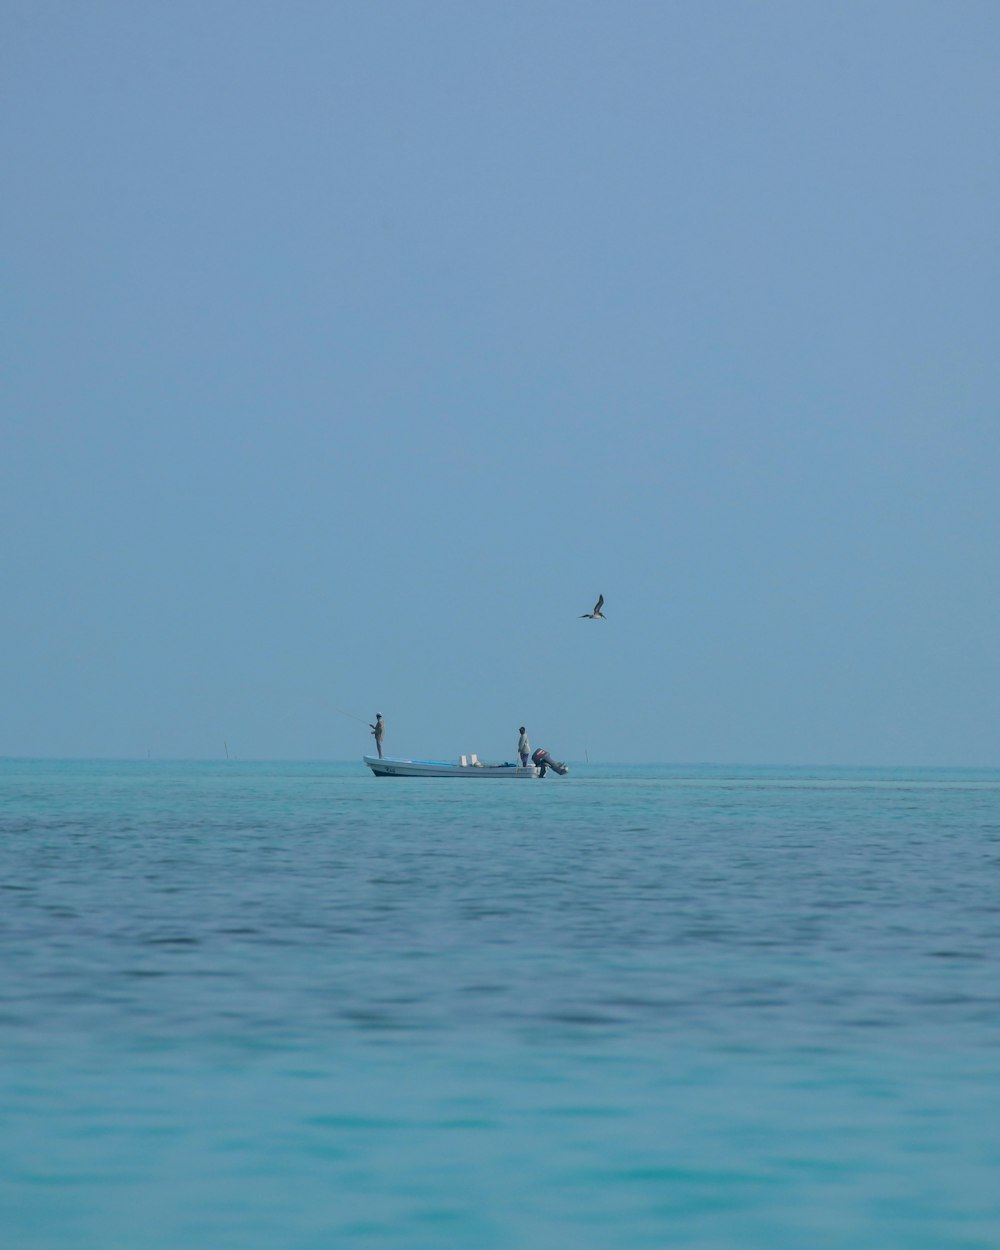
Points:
point(428, 768)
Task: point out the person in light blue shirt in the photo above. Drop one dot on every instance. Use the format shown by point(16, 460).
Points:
point(523, 747)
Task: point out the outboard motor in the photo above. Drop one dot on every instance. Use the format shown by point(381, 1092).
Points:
point(542, 760)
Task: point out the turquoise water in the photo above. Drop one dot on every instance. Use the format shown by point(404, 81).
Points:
point(290, 1006)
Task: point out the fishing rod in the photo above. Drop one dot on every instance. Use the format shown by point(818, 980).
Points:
point(350, 715)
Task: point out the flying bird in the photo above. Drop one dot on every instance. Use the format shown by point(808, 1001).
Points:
point(597, 614)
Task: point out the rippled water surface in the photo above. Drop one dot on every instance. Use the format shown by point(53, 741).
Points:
point(282, 1006)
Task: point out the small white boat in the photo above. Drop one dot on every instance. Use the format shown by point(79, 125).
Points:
point(465, 766)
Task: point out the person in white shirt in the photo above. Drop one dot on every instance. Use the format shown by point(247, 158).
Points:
point(378, 731)
point(523, 747)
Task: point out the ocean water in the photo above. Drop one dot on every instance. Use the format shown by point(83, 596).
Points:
point(292, 1007)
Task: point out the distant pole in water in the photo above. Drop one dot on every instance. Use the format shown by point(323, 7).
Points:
point(587, 754)
point(226, 745)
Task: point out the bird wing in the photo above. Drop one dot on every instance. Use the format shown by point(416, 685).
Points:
point(599, 604)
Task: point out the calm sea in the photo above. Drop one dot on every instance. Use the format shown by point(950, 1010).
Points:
point(291, 1007)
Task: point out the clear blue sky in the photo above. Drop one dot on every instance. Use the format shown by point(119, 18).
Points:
point(350, 350)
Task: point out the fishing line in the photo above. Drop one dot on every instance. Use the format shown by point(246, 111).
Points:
point(349, 715)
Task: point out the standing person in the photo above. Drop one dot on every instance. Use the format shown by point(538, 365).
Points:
point(523, 747)
point(378, 729)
